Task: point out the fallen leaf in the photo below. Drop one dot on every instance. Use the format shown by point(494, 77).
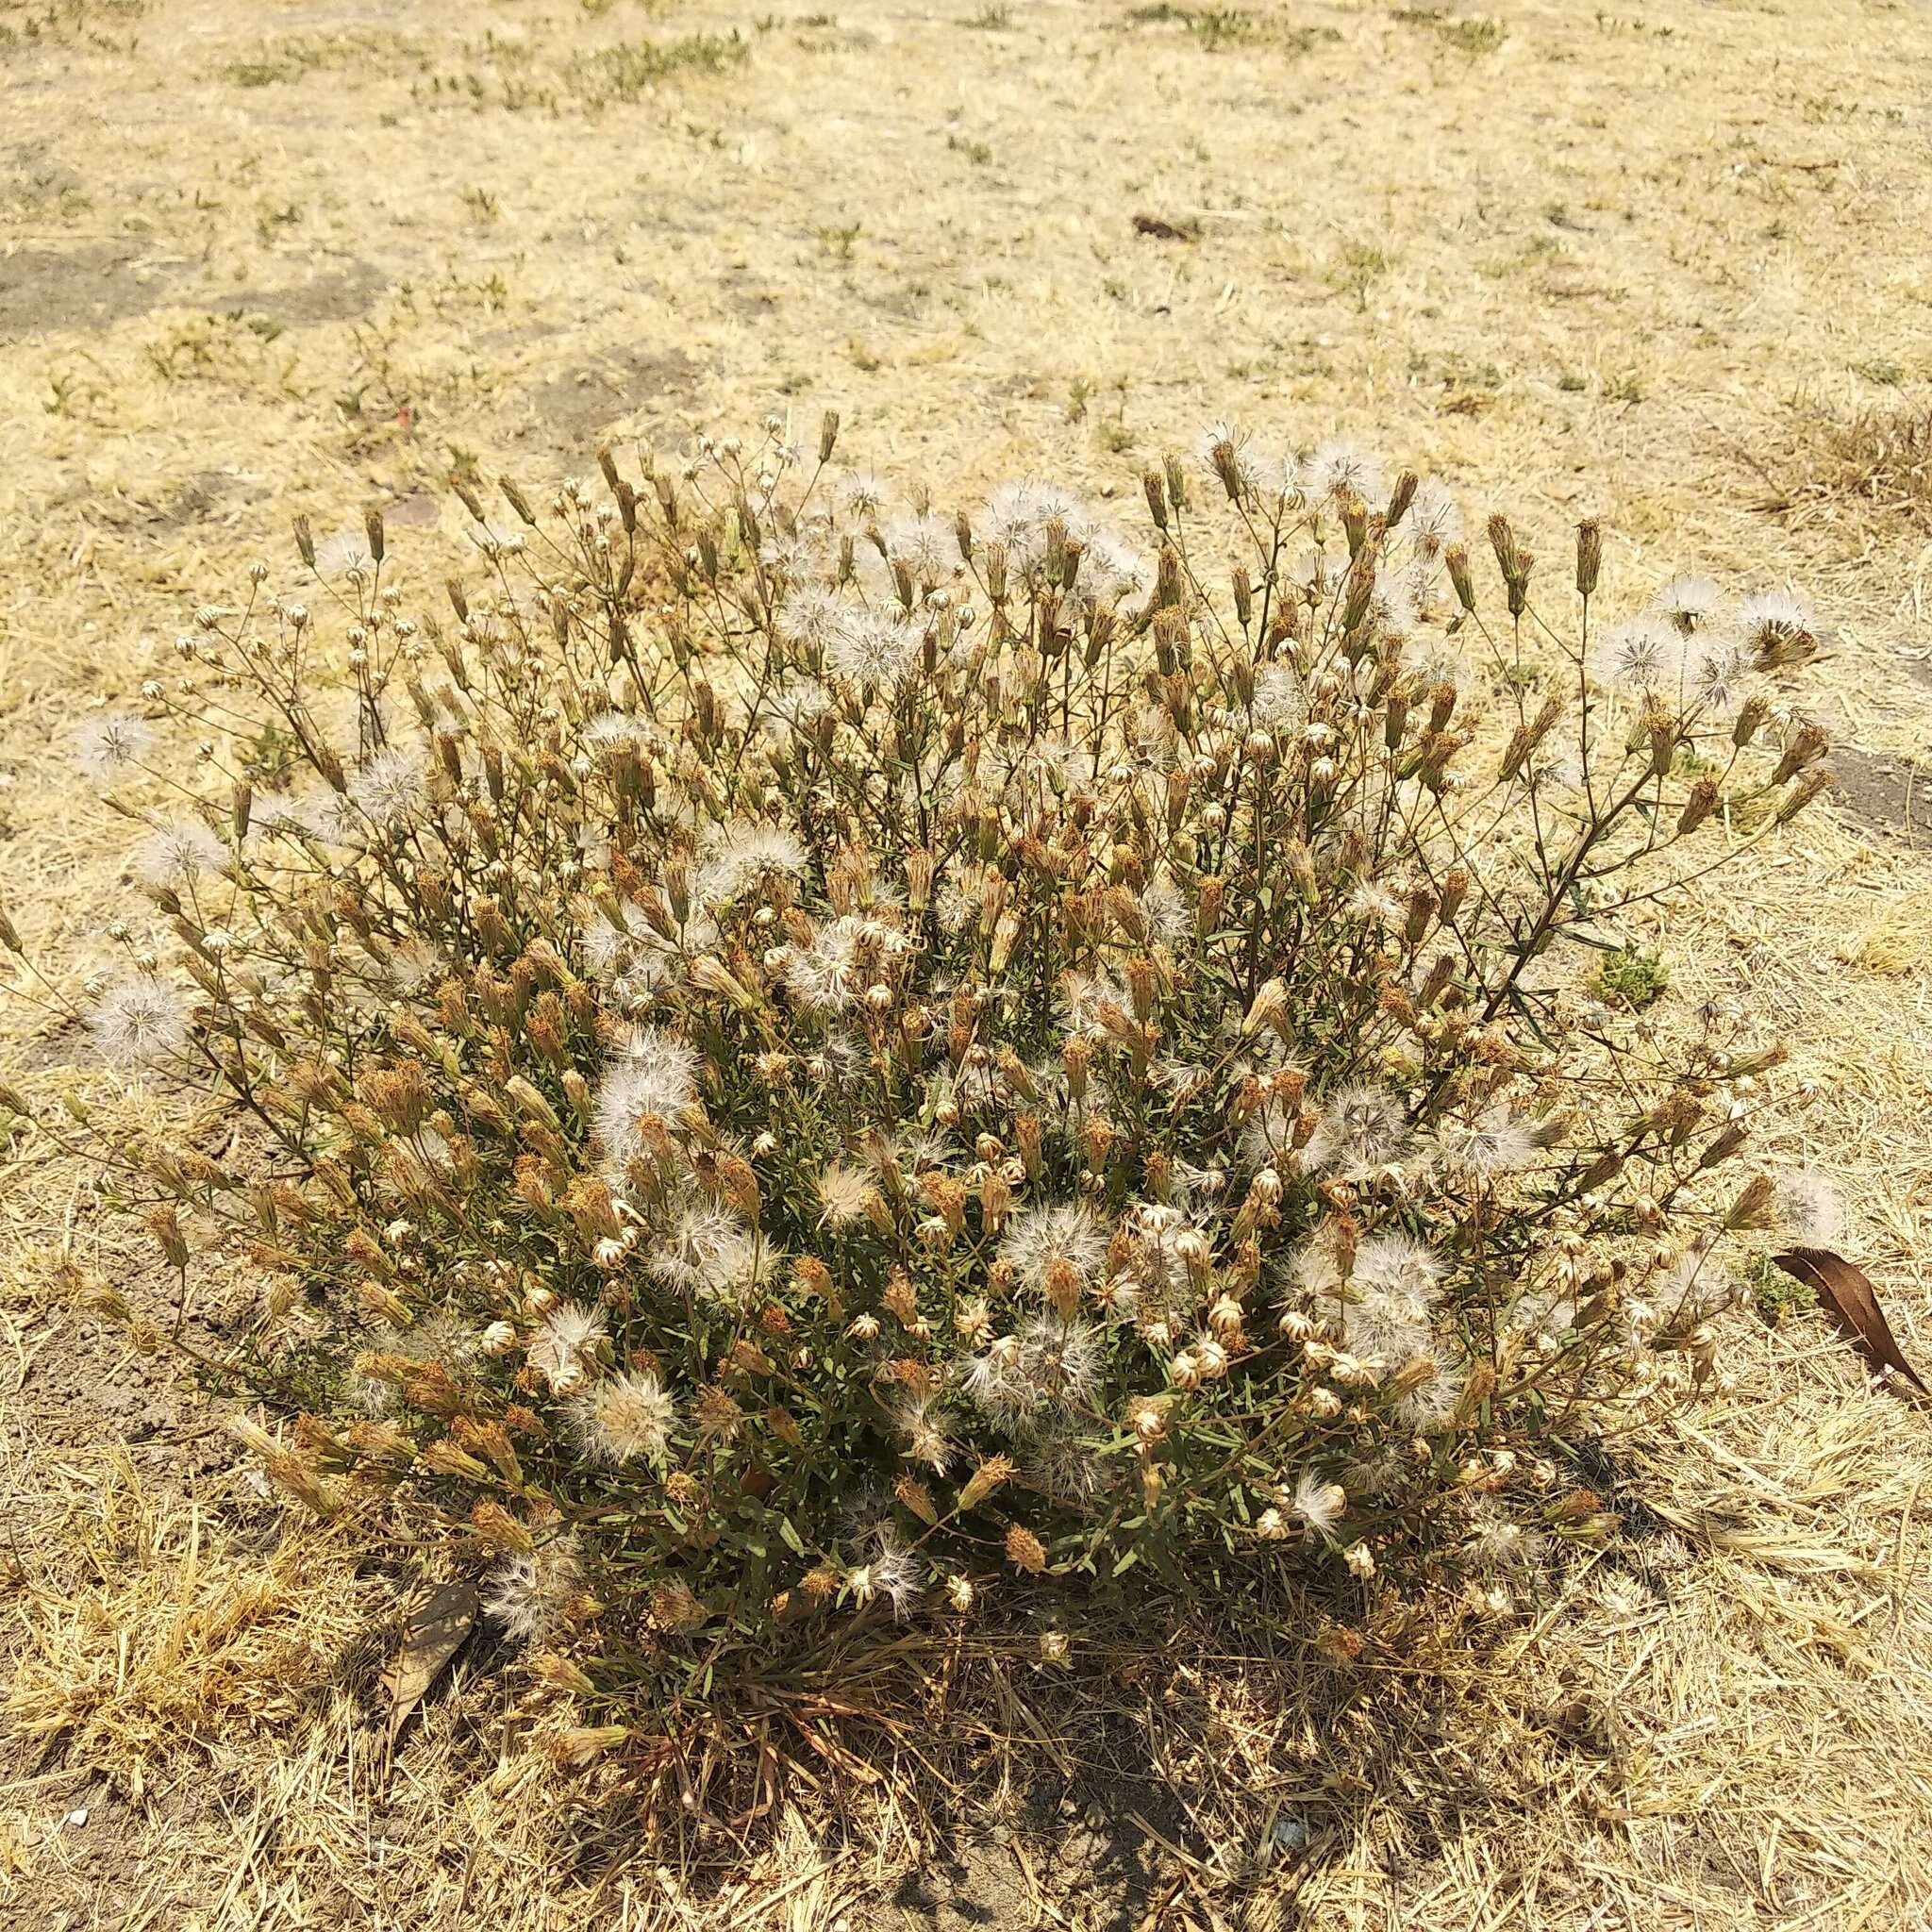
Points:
point(1853, 1299)
point(437, 1629)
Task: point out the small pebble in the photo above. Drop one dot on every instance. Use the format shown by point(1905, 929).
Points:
point(78, 1815)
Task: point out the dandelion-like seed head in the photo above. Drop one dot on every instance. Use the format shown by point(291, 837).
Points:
point(862, 496)
point(1061, 1359)
point(890, 1571)
point(1318, 1504)
point(1213, 436)
point(496, 539)
point(794, 704)
point(137, 1021)
point(1646, 653)
point(1389, 1292)
point(344, 553)
point(609, 730)
point(1810, 1207)
point(872, 650)
point(178, 854)
point(926, 1432)
point(1280, 702)
point(1776, 629)
point(566, 1342)
point(1434, 521)
point(388, 787)
point(1719, 671)
point(1499, 1141)
point(825, 976)
point(927, 547)
point(1337, 469)
point(656, 1078)
point(528, 1594)
point(995, 1381)
point(1037, 1238)
point(1111, 569)
point(108, 746)
point(1374, 903)
point(1689, 602)
point(1361, 1128)
point(810, 616)
point(846, 1196)
point(737, 854)
point(1496, 1541)
point(707, 1250)
point(626, 1416)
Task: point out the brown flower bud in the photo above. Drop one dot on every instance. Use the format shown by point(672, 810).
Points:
point(1157, 501)
point(1702, 802)
point(992, 1474)
point(1589, 555)
point(1025, 1550)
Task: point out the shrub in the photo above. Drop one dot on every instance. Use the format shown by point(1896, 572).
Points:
point(807, 1066)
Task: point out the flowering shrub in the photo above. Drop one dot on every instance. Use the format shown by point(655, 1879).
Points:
point(803, 1060)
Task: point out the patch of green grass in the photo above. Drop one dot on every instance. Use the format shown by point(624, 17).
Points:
point(1630, 978)
point(837, 241)
point(1357, 269)
point(628, 72)
point(271, 217)
point(69, 22)
point(1469, 34)
point(1222, 26)
point(1610, 24)
point(212, 348)
point(1535, 253)
point(1216, 28)
point(1778, 1296)
point(281, 63)
point(270, 757)
point(48, 197)
point(1474, 38)
point(76, 393)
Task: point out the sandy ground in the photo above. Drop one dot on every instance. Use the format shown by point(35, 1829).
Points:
point(1658, 262)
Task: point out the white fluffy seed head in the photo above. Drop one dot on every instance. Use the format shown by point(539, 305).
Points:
point(139, 1020)
point(623, 1418)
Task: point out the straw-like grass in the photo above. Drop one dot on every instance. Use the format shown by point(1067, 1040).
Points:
point(1635, 262)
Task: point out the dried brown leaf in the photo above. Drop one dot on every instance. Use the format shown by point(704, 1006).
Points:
point(1849, 1293)
point(438, 1629)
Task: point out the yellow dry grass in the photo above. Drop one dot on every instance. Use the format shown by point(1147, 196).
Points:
point(1657, 262)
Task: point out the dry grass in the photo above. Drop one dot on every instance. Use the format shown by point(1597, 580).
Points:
point(1882, 456)
point(261, 260)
